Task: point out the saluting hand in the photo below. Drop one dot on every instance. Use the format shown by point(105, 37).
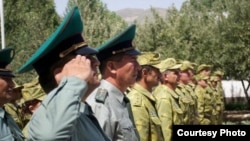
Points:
point(79, 67)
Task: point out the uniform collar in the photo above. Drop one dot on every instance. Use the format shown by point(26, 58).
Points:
point(143, 91)
point(2, 112)
point(85, 108)
point(172, 92)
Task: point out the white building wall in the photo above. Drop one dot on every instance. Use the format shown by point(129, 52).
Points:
point(234, 88)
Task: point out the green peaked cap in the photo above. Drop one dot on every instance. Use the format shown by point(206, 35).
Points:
point(6, 56)
point(66, 39)
point(120, 43)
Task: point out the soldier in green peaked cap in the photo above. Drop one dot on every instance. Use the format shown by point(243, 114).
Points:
point(119, 68)
point(143, 101)
point(9, 128)
point(6, 57)
point(67, 70)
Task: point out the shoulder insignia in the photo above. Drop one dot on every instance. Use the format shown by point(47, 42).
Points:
point(101, 95)
point(136, 100)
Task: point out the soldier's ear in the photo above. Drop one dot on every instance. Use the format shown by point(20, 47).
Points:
point(111, 66)
point(165, 76)
point(144, 71)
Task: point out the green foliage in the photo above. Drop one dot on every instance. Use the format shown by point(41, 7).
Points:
point(99, 23)
point(202, 31)
point(237, 106)
point(27, 24)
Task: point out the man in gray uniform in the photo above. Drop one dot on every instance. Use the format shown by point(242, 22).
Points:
point(119, 67)
point(67, 71)
point(9, 130)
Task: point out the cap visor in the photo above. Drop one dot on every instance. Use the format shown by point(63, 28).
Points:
point(133, 52)
point(178, 66)
point(86, 51)
point(7, 74)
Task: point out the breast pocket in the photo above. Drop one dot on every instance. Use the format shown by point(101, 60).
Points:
point(155, 120)
point(177, 114)
point(127, 129)
point(156, 124)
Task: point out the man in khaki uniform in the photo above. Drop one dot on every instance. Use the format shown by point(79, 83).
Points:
point(205, 69)
point(186, 92)
point(220, 95)
point(143, 101)
point(214, 80)
point(33, 96)
point(167, 103)
point(203, 100)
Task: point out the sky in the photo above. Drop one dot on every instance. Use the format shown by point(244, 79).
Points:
point(115, 5)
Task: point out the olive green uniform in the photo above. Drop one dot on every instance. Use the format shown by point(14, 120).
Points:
point(146, 118)
point(203, 106)
point(194, 116)
point(15, 110)
point(212, 102)
point(168, 109)
point(185, 102)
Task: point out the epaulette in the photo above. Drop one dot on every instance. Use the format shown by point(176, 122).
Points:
point(136, 99)
point(101, 95)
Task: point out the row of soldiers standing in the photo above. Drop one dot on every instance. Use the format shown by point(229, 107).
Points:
point(167, 92)
point(157, 105)
point(170, 92)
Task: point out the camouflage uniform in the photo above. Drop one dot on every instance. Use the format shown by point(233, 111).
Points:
point(146, 118)
point(204, 107)
point(15, 110)
point(184, 102)
point(143, 101)
point(168, 109)
point(219, 74)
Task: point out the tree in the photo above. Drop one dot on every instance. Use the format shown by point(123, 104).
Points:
point(99, 23)
point(27, 24)
point(234, 27)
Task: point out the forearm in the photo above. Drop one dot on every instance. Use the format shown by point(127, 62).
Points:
point(59, 111)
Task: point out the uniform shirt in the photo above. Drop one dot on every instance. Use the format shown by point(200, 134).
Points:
point(146, 118)
point(203, 106)
point(62, 115)
point(9, 130)
point(169, 110)
point(188, 103)
point(110, 109)
point(15, 111)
